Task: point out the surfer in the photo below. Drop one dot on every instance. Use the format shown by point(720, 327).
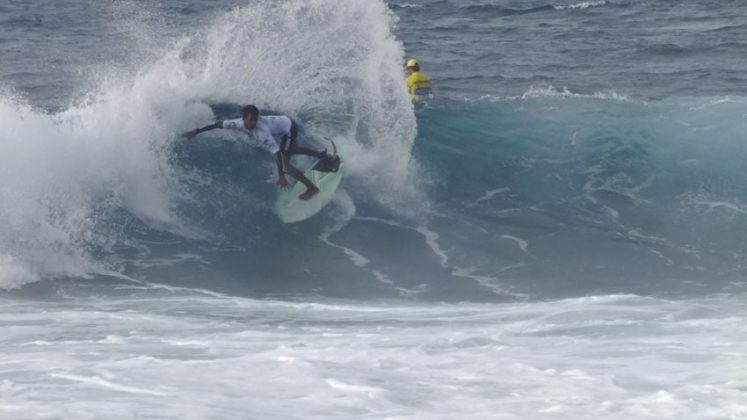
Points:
point(418, 83)
point(266, 131)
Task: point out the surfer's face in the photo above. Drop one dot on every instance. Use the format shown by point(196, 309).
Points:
point(250, 122)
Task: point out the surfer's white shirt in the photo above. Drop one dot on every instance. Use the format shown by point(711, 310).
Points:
point(267, 133)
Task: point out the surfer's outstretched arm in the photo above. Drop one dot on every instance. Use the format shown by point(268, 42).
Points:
point(196, 131)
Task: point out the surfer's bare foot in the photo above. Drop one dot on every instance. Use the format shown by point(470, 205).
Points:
point(312, 191)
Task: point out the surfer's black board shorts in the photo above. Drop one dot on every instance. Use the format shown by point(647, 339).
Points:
point(287, 143)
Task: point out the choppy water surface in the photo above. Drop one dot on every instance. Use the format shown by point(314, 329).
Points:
point(559, 232)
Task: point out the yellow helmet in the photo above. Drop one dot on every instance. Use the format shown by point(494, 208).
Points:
point(412, 63)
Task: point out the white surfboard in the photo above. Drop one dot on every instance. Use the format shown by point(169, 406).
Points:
point(291, 209)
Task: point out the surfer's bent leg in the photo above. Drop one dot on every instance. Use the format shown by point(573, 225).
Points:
point(285, 148)
point(295, 149)
point(295, 172)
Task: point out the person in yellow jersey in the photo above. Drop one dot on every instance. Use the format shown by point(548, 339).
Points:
point(418, 83)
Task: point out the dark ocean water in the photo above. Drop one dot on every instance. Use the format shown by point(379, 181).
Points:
point(645, 49)
point(570, 208)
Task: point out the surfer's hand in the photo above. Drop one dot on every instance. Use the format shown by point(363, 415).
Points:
point(283, 183)
point(190, 134)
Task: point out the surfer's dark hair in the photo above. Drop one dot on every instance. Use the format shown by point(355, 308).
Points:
point(250, 110)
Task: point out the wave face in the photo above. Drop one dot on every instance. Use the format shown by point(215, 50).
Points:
point(563, 193)
point(547, 195)
point(540, 195)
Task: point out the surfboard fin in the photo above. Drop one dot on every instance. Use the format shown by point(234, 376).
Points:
point(329, 164)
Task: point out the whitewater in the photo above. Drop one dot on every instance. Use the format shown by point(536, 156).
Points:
point(559, 232)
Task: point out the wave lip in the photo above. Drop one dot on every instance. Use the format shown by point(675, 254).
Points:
point(549, 91)
point(582, 5)
point(498, 10)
